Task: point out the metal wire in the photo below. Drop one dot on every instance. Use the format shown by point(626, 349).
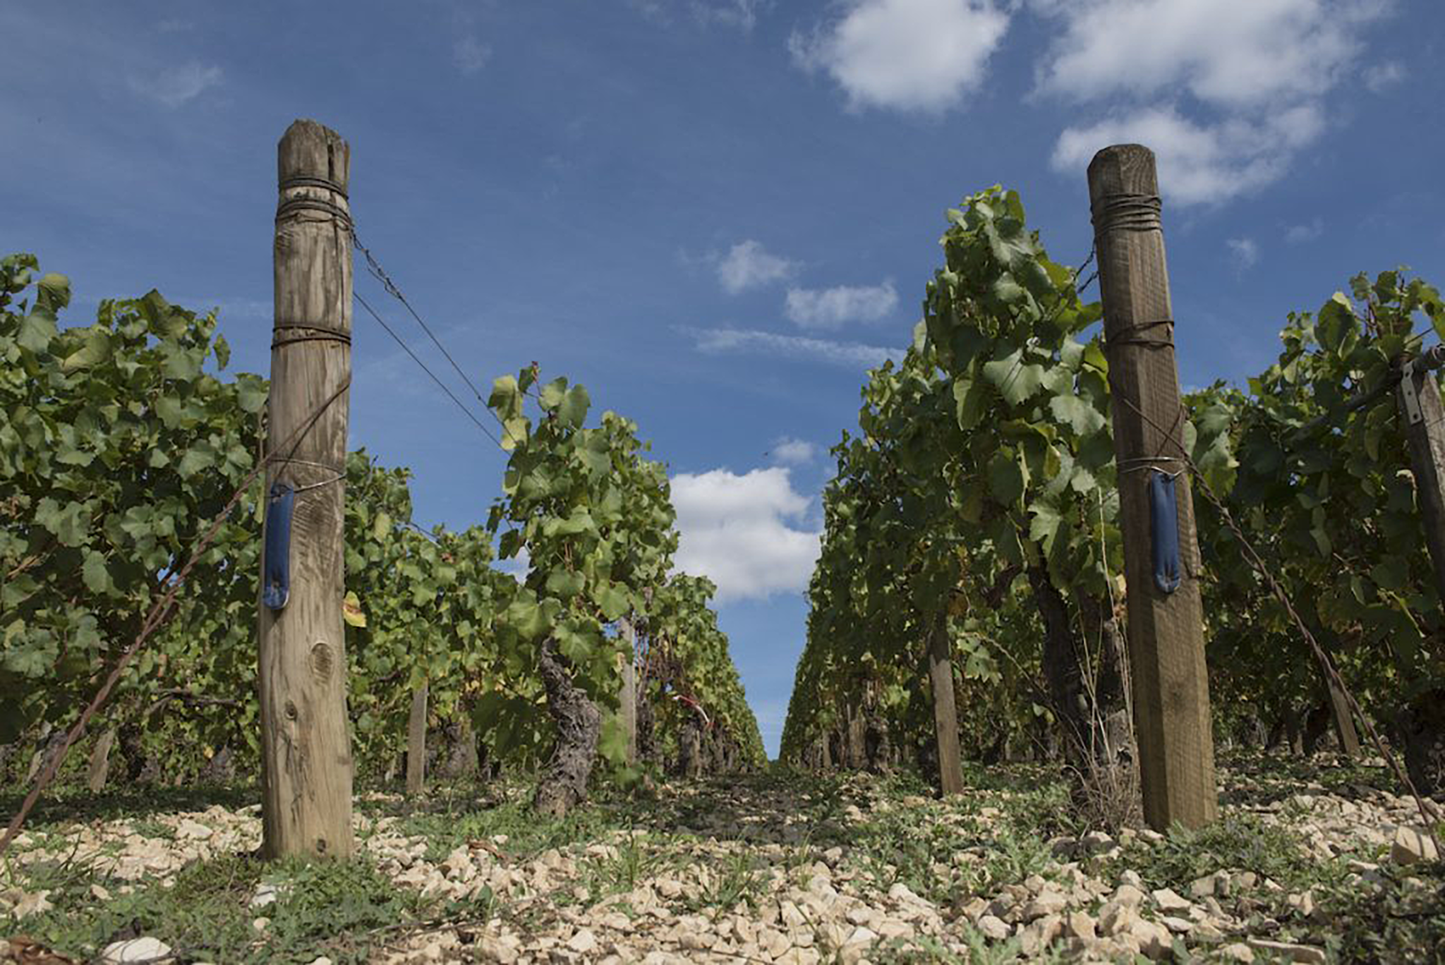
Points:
point(440, 384)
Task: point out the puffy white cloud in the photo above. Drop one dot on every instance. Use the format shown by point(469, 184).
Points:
point(795, 452)
point(740, 531)
point(174, 86)
point(1299, 233)
point(833, 307)
point(470, 54)
point(1255, 74)
point(1249, 53)
point(1198, 162)
point(749, 265)
point(1244, 251)
point(846, 354)
point(912, 55)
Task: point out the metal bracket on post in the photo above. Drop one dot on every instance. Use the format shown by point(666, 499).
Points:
point(1431, 358)
point(1409, 398)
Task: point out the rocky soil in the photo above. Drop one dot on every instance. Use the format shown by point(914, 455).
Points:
point(1307, 864)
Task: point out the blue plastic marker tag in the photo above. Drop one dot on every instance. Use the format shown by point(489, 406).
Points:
point(1164, 530)
point(276, 565)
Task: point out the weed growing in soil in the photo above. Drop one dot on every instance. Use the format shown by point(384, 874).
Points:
point(331, 908)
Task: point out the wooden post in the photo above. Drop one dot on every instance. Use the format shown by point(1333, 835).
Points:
point(1166, 630)
point(1426, 437)
point(416, 742)
point(945, 711)
point(628, 694)
point(305, 748)
point(100, 761)
point(1343, 720)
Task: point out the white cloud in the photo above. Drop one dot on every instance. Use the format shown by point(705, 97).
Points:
point(1299, 233)
point(176, 85)
point(735, 531)
point(1198, 163)
point(846, 354)
point(1244, 251)
point(749, 265)
point(1251, 53)
point(794, 452)
point(1254, 74)
point(1380, 76)
point(517, 567)
point(470, 55)
point(912, 55)
point(833, 307)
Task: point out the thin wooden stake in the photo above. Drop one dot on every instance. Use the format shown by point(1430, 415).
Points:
point(628, 692)
point(416, 742)
point(100, 761)
point(945, 711)
point(1166, 630)
point(305, 747)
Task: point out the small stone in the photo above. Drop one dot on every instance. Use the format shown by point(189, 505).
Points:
point(1411, 846)
point(320, 960)
point(994, 928)
point(193, 831)
point(140, 949)
point(1037, 936)
point(1289, 951)
point(1180, 926)
point(1116, 918)
point(1079, 924)
point(1047, 903)
point(1247, 880)
point(261, 924)
point(1202, 887)
point(1154, 939)
point(1131, 877)
point(34, 903)
point(99, 893)
point(582, 942)
point(1169, 900)
point(265, 894)
point(1128, 895)
point(1237, 952)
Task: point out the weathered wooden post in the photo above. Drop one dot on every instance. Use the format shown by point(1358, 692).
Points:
point(1166, 628)
point(100, 761)
point(416, 742)
point(945, 711)
point(1422, 415)
point(628, 692)
point(305, 749)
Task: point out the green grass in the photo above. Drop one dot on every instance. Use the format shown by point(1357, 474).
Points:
point(337, 909)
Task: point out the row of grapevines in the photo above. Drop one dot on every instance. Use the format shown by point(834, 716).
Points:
point(117, 448)
point(983, 458)
point(986, 456)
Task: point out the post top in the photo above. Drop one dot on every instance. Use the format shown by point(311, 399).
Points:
point(312, 150)
point(1123, 169)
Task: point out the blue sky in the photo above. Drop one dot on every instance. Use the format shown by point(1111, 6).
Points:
point(714, 213)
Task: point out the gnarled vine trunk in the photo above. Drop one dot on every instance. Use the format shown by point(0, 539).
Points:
point(564, 783)
point(1089, 697)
